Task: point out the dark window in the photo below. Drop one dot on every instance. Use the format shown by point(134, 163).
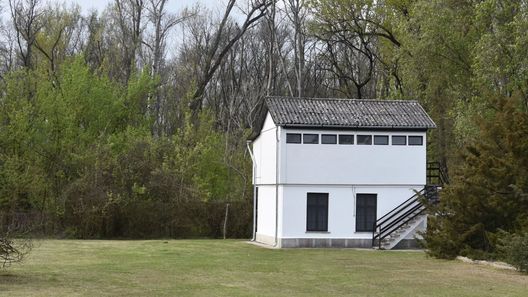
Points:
point(346, 139)
point(415, 140)
point(317, 212)
point(364, 139)
point(293, 138)
point(365, 212)
point(311, 138)
point(328, 139)
point(381, 140)
point(399, 140)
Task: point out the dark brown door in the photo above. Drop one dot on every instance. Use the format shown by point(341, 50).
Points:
point(366, 208)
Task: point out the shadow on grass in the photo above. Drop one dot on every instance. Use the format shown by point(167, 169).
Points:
point(22, 279)
point(9, 278)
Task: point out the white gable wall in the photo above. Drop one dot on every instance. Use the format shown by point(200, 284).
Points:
point(265, 150)
point(265, 154)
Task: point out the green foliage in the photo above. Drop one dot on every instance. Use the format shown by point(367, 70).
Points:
point(435, 60)
point(514, 249)
point(457, 58)
point(502, 49)
point(449, 55)
point(77, 149)
point(86, 149)
point(21, 181)
point(489, 192)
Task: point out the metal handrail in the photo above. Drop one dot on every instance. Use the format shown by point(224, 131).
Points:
point(402, 214)
point(395, 210)
point(441, 171)
point(389, 228)
point(412, 207)
point(401, 224)
point(385, 231)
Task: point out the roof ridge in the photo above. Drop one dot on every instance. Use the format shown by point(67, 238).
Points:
point(341, 99)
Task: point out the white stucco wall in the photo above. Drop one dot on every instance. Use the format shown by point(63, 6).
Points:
point(265, 150)
point(335, 164)
point(266, 211)
point(341, 208)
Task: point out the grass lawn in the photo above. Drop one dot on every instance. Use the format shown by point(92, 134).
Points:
point(235, 268)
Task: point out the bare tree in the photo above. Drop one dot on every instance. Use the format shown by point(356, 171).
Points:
point(162, 22)
point(218, 50)
point(271, 48)
point(130, 21)
point(60, 34)
point(26, 19)
point(7, 50)
point(359, 26)
point(296, 12)
point(93, 48)
point(349, 51)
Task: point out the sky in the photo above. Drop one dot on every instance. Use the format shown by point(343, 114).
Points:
point(172, 5)
point(175, 38)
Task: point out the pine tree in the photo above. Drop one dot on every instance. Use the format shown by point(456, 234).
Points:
point(489, 191)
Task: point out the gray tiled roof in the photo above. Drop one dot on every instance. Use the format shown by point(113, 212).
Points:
point(348, 113)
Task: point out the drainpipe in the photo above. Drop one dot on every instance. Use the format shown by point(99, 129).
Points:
point(254, 233)
point(277, 187)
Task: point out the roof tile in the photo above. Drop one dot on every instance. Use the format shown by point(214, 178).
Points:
point(348, 113)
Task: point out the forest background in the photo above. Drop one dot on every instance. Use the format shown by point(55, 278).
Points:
point(109, 130)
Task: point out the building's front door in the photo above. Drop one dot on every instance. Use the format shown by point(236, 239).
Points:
point(366, 205)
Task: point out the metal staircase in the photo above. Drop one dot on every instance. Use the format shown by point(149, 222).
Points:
point(402, 222)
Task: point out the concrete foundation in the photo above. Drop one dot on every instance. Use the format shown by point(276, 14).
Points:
point(325, 243)
point(329, 242)
point(315, 242)
point(265, 239)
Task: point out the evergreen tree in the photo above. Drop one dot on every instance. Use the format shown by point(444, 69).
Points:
point(489, 192)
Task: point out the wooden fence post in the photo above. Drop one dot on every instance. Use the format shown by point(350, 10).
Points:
point(225, 219)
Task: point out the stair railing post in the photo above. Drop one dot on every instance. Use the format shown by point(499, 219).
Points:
point(379, 238)
point(373, 233)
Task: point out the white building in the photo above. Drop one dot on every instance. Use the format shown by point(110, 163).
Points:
point(327, 172)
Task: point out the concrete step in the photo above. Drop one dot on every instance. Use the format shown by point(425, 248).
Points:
point(395, 237)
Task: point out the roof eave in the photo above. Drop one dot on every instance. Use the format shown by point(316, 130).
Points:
point(406, 128)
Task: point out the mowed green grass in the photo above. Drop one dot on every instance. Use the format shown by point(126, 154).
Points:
point(235, 268)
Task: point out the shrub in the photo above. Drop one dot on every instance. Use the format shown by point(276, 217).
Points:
point(14, 244)
point(514, 250)
point(12, 251)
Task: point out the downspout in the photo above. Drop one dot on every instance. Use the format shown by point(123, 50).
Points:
point(254, 233)
point(277, 187)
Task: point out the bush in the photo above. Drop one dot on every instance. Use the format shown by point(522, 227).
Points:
point(14, 244)
point(514, 250)
point(12, 251)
